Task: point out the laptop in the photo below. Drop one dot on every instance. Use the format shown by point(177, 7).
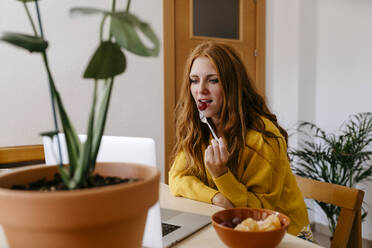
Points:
point(177, 225)
point(164, 227)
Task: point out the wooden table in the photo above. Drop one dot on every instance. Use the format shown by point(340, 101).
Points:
point(207, 237)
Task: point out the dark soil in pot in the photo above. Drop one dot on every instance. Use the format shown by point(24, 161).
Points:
point(57, 183)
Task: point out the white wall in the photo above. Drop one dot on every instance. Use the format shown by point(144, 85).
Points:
point(318, 64)
point(137, 100)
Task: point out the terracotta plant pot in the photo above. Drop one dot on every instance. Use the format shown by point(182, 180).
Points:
point(111, 216)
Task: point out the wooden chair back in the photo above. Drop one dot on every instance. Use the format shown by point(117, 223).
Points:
point(16, 156)
point(348, 231)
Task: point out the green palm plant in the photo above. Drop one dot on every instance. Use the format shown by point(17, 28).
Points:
point(343, 158)
point(108, 61)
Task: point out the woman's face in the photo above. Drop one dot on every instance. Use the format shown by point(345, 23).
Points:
point(206, 88)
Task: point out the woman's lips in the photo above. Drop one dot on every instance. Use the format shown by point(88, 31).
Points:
point(202, 106)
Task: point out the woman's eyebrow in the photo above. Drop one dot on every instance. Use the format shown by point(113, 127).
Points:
point(207, 76)
point(211, 75)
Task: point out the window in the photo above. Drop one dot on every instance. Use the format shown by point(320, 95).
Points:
point(216, 18)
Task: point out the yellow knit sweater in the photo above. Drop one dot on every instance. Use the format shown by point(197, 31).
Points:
point(263, 180)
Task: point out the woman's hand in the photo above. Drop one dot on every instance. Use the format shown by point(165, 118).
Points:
point(220, 200)
point(215, 158)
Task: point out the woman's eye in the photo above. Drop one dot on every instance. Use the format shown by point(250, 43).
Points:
point(214, 80)
point(193, 81)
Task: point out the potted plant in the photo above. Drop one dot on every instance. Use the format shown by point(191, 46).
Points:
point(342, 158)
point(82, 216)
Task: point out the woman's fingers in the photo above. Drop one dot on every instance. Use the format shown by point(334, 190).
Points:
point(219, 151)
point(208, 156)
point(216, 151)
point(224, 153)
point(215, 157)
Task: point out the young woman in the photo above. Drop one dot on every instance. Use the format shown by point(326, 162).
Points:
point(248, 165)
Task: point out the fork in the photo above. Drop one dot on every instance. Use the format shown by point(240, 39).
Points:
point(204, 120)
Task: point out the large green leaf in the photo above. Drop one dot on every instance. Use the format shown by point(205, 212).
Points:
point(73, 143)
point(100, 121)
point(108, 61)
point(82, 171)
point(125, 27)
point(65, 176)
point(29, 42)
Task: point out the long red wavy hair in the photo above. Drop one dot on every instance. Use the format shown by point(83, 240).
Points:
point(241, 109)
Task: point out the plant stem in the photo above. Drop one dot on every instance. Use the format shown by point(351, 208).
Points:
point(101, 28)
point(39, 19)
point(113, 9)
point(94, 103)
point(113, 6)
point(92, 157)
point(128, 6)
point(351, 178)
point(30, 18)
point(51, 85)
point(52, 88)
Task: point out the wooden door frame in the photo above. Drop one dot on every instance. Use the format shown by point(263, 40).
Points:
point(170, 70)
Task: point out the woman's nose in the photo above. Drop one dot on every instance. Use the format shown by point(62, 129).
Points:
point(203, 87)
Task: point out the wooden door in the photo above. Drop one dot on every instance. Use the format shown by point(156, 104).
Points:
point(182, 32)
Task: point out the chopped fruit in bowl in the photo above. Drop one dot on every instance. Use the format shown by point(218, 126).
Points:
point(250, 227)
point(271, 222)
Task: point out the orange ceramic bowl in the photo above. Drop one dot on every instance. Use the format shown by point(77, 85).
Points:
point(243, 239)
